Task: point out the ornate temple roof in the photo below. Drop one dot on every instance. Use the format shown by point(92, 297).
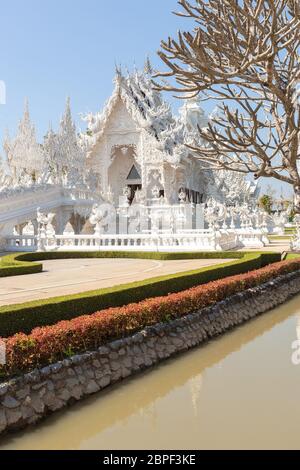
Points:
point(151, 112)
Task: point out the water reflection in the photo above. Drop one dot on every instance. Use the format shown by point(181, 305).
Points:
point(238, 391)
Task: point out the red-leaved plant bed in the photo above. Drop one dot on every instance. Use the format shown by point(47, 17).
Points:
point(52, 343)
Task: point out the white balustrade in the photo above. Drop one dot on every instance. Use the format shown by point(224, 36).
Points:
point(251, 238)
point(197, 240)
point(24, 243)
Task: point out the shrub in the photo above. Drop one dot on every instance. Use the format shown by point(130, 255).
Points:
point(11, 265)
point(50, 344)
point(25, 317)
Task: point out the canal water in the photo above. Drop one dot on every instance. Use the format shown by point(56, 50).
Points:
point(237, 392)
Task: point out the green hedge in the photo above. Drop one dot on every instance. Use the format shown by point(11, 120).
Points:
point(14, 265)
point(25, 317)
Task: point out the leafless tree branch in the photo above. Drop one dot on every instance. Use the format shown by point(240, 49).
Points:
point(245, 55)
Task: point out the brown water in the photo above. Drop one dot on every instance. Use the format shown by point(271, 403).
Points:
point(239, 391)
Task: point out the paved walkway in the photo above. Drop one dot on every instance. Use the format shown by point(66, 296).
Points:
point(61, 277)
point(275, 245)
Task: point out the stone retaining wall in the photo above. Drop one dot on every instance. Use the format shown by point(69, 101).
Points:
point(31, 397)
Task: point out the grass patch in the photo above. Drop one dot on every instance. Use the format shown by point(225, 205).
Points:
point(25, 317)
point(280, 237)
point(290, 230)
point(292, 256)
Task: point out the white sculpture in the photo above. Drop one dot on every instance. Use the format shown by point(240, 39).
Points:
point(280, 221)
point(44, 222)
point(102, 216)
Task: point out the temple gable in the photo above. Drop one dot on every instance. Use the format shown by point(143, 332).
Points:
point(120, 119)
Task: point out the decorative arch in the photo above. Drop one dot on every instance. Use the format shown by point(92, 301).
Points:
point(124, 170)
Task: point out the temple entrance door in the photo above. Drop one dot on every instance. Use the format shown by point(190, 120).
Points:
point(133, 189)
point(134, 182)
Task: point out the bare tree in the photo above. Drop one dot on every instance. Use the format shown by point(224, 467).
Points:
point(245, 54)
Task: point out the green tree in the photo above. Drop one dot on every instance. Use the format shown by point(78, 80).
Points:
point(266, 203)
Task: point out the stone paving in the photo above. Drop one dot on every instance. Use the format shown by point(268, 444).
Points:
point(72, 276)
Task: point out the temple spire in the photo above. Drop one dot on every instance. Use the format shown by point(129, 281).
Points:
point(26, 110)
point(64, 155)
point(148, 68)
point(118, 76)
point(71, 154)
point(67, 124)
point(24, 154)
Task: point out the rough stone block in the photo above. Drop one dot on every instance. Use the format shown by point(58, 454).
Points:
point(10, 402)
point(105, 381)
point(92, 387)
point(13, 417)
point(3, 420)
point(37, 404)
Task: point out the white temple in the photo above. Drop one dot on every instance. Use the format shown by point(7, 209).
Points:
point(137, 143)
point(133, 152)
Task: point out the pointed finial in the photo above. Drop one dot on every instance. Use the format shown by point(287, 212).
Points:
point(26, 108)
point(148, 69)
point(118, 75)
point(68, 106)
point(67, 115)
point(118, 69)
point(25, 120)
point(50, 129)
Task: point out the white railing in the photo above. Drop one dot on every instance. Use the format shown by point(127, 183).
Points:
point(141, 242)
point(21, 243)
point(79, 194)
point(251, 238)
point(205, 240)
point(226, 240)
point(197, 240)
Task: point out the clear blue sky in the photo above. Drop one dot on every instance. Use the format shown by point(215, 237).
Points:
point(51, 49)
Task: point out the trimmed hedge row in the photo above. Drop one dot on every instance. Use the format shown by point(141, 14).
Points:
point(25, 317)
point(53, 343)
point(13, 265)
